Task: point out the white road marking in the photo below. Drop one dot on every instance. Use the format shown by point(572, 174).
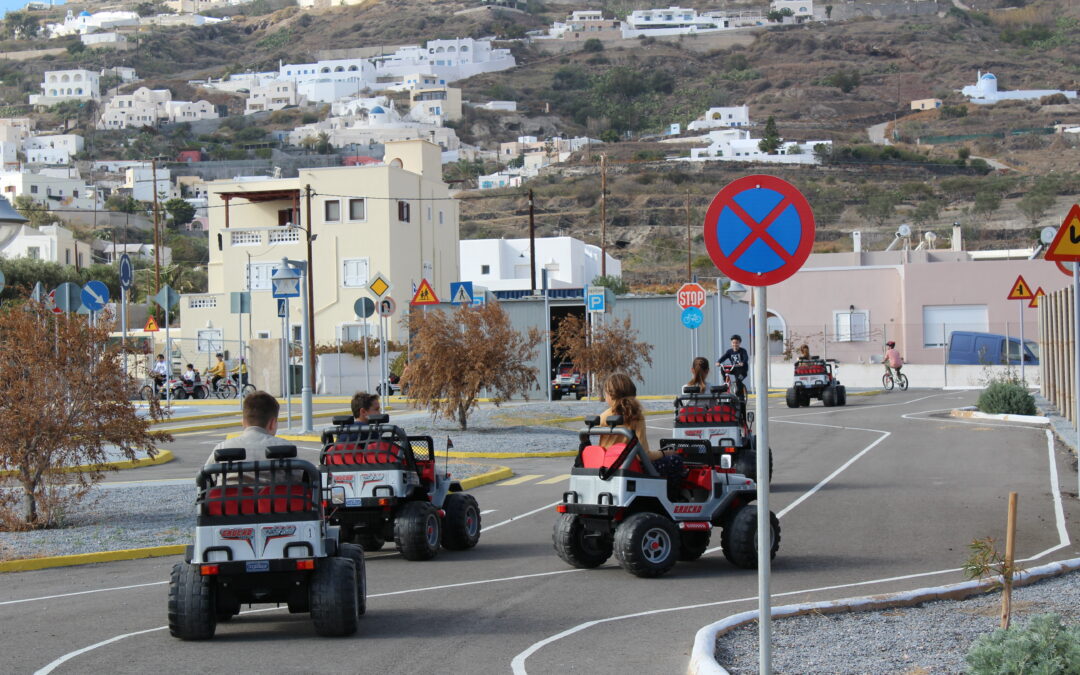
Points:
point(523, 515)
point(53, 665)
point(487, 511)
point(96, 590)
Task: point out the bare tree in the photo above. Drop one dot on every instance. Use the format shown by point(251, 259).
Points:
point(458, 354)
point(611, 347)
point(65, 402)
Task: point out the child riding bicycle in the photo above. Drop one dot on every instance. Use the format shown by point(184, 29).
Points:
point(892, 360)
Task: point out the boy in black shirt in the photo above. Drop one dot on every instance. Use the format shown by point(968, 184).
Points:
point(740, 361)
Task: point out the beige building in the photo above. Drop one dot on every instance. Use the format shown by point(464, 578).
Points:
point(395, 218)
point(435, 105)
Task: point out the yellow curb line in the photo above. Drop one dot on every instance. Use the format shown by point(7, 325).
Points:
point(501, 473)
point(234, 423)
point(162, 457)
point(451, 455)
point(26, 564)
point(234, 402)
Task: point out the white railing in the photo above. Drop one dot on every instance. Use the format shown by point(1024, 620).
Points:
point(284, 236)
point(202, 301)
point(254, 236)
point(245, 238)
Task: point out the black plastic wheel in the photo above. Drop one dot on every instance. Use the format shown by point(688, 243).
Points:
point(792, 398)
point(200, 391)
point(841, 395)
point(828, 396)
point(192, 606)
point(355, 553)
point(647, 544)
point(692, 545)
point(418, 531)
point(804, 398)
point(556, 396)
point(462, 522)
point(576, 546)
point(739, 537)
point(334, 609)
point(370, 542)
point(179, 394)
point(746, 461)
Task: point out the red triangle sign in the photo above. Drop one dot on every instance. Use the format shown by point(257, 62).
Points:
point(424, 295)
point(1066, 244)
point(151, 325)
point(1020, 290)
point(1034, 304)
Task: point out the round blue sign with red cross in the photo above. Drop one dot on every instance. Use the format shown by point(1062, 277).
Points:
point(759, 230)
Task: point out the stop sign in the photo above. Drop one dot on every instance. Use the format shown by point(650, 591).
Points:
point(690, 295)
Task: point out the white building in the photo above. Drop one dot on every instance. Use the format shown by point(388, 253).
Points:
point(85, 22)
point(188, 111)
point(68, 85)
point(147, 107)
point(103, 39)
point(800, 9)
point(716, 118)
point(985, 91)
point(54, 188)
point(112, 252)
point(370, 121)
point(670, 21)
point(503, 264)
point(274, 95)
point(53, 149)
point(736, 145)
point(500, 179)
point(125, 73)
point(140, 181)
point(52, 243)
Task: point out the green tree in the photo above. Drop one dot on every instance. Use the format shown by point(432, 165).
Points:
point(926, 211)
point(879, 205)
point(122, 203)
point(593, 45)
point(771, 142)
point(21, 25)
point(1034, 205)
point(987, 201)
point(76, 48)
point(37, 214)
point(617, 285)
point(322, 143)
point(180, 212)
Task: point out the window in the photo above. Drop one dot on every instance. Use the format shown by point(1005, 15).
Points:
point(939, 321)
point(332, 211)
point(262, 334)
point(353, 332)
point(403, 211)
point(33, 189)
point(80, 259)
point(260, 275)
point(297, 332)
point(485, 269)
point(440, 217)
point(852, 326)
point(357, 209)
point(354, 272)
point(33, 252)
point(67, 256)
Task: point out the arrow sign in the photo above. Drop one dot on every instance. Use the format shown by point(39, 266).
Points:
point(759, 230)
point(461, 293)
point(1034, 304)
point(127, 272)
point(387, 307)
point(1020, 290)
point(94, 296)
point(1066, 245)
point(424, 295)
point(151, 325)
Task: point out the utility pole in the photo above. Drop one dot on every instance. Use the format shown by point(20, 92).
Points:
point(157, 235)
point(603, 216)
point(532, 244)
point(688, 266)
point(310, 283)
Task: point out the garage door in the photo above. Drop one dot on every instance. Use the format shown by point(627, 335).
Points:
point(939, 321)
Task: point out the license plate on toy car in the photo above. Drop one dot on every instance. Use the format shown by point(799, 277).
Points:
point(257, 566)
point(352, 501)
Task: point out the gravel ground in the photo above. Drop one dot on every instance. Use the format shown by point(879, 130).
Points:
point(131, 516)
point(931, 638)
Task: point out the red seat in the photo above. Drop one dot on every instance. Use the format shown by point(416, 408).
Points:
point(230, 501)
point(341, 453)
point(380, 452)
point(722, 414)
point(284, 499)
point(599, 457)
point(699, 477)
point(427, 471)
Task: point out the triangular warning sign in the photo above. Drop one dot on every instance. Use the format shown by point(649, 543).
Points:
point(1020, 290)
point(151, 325)
point(1034, 304)
point(1066, 244)
point(463, 297)
point(424, 295)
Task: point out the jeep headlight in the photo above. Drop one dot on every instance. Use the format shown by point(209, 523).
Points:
point(725, 461)
point(337, 495)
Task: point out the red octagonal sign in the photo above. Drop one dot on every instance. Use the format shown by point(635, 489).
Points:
point(690, 295)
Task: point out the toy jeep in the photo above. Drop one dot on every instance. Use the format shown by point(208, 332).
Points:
point(816, 378)
point(617, 502)
point(389, 488)
point(260, 536)
point(568, 382)
point(716, 416)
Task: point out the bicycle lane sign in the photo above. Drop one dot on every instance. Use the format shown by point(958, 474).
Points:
point(759, 230)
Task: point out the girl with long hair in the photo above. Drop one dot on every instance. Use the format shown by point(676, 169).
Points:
point(621, 396)
point(699, 372)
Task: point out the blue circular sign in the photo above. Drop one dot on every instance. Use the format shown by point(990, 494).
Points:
point(127, 272)
point(94, 296)
point(692, 317)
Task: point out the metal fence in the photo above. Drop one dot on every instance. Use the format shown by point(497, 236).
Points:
point(1059, 351)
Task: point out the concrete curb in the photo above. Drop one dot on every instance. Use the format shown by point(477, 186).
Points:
point(27, 564)
point(162, 457)
point(452, 454)
point(702, 655)
point(971, 413)
point(233, 423)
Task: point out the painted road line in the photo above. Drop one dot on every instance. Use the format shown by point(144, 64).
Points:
point(521, 479)
point(96, 590)
point(520, 516)
point(556, 479)
point(487, 511)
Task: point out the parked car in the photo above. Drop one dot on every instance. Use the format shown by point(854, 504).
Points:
point(568, 382)
point(970, 348)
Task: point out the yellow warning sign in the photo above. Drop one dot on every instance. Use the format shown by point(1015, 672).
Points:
point(1020, 290)
point(424, 295)
point(379, 285)
point(151, 325)
point(1066, 244)
point(1034, 304)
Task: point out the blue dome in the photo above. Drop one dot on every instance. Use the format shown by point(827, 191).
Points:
point(989, 76)
point(85, 13)
point(377, 110)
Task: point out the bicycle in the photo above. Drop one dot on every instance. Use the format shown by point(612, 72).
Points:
point(887, 381)
point(224, 389)
point(245, 389)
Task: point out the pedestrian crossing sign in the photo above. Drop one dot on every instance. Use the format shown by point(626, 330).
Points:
point(424, 295)
point(1020, 290)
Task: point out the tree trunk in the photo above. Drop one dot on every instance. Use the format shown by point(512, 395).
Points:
point(29, 502)
point(463, 416)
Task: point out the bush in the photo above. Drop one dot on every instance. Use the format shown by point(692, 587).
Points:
point(1044, 645)
point(1006, 396)
point(593, 45)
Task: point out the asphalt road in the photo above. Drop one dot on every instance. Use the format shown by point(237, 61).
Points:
point(883, 495)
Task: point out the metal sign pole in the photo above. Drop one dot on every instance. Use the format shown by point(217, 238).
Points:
point(1023, 379)
point(547, 333)
point(168, 362)
point(123, 329)
point(764, 523)
point(367, 362)
point(240, 324)
point(719, 326)
point(1076, 358)
point(306, 347)
point(288, 365)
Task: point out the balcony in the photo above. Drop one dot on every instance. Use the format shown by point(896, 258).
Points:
point(264, 236)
